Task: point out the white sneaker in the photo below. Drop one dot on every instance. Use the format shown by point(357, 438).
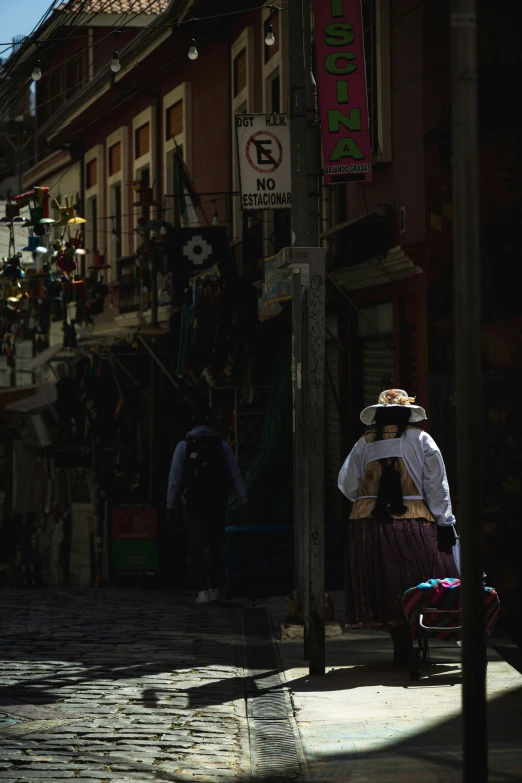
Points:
point(214, 595)
point(203, 597)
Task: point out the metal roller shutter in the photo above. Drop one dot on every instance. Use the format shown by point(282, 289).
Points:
point(333, 459)
point(377, 368)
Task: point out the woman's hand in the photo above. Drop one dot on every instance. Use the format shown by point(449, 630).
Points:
point(446, 538)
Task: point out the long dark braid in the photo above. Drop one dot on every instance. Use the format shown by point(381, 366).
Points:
point(389, 497)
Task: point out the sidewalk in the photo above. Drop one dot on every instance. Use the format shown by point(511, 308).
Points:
point(367, 721)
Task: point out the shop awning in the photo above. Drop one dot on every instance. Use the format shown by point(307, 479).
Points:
point(45, 395)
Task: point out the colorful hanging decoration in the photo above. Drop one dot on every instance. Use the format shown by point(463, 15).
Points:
point(37, 200)
point(66, 260)
point(11, 268)
point(144, 193)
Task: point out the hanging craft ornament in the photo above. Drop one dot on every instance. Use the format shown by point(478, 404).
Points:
point(68, 216)
point(145, 193)
point(37, 199)
point(32, 245)
point(66, 212)
point(12, 269)
point(66, 261)
point(12, 211)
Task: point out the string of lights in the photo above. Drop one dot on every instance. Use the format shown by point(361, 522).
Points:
point(192, 20)
point(115, 64)
point(80, 82)
point(115, 29)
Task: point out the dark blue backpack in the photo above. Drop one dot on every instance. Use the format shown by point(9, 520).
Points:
point(205, 475)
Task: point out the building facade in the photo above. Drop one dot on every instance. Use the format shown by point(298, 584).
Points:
point(99, 132)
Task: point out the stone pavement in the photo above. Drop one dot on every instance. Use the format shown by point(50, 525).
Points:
point(120, 685)
point(367, 721)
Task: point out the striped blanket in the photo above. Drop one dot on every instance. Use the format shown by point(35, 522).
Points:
point(443, 594)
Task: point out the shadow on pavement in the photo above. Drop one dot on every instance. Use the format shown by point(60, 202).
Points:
point(431, 756)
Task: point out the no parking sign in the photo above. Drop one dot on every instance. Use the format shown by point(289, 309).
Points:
point(263, 143)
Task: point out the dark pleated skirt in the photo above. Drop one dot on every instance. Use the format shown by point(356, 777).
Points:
point(383, 559)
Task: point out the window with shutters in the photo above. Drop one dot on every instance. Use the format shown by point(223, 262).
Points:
point(57, 89)
point(144, 176)
point(240, 72)
point(91, 174)
point(142, 140)
point(174, 121)
point(273, 92)
point(115, 158)
point(73, 76)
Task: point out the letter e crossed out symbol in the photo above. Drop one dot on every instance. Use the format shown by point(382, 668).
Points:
point(264, 152)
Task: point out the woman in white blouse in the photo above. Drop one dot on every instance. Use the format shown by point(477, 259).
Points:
point(401, 528)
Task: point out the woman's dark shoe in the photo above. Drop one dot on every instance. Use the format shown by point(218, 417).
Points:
point(402, 643)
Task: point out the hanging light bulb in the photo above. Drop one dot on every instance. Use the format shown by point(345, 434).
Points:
point(37, 72)
point(115, 62)
point(215, 219)
point(163, 231)
point(193, 53)
point(115, 237)
point(269, 37)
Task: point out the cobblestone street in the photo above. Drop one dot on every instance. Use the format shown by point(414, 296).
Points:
point(116, 685)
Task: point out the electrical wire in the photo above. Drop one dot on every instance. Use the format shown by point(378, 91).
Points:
point(81, 82)
point(128, 96)
point(23, 87)
point(192, 20)
point(117, 28)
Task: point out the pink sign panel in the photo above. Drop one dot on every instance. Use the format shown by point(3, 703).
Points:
point(343, 101)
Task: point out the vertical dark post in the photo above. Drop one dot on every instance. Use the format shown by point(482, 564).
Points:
point(315, 383)
point(297, 393)
point(236, 422)
point(305, 480)
point(154, 292)
point(298, 130)
point(152, 427)
point(159, 198)
point(313, 149)
point(469, 383)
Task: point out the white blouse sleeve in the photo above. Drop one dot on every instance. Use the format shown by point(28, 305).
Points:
point(435, 483)
point(350, 475)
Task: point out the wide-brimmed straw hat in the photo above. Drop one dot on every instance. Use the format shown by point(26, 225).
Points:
point(394, 398)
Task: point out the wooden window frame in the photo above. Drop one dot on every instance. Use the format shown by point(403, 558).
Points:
point(138, 151)
point(111, 154)
point(90, 166)
point(174, 116)
point(243, 55)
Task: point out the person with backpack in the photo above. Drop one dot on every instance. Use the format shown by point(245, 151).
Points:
point(203, 471)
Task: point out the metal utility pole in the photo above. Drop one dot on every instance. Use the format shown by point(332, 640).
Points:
point(469, 385)
point(298, 95)
point(315, 376)
point(304, 129)
point(308, 341)
point(297, 395)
